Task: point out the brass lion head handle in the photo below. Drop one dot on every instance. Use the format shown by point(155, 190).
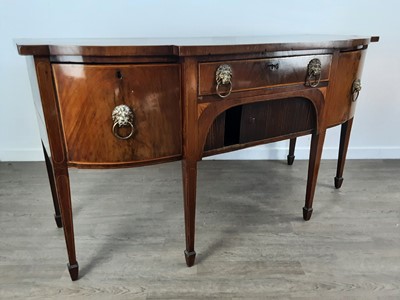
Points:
point(122, 116)
point(314, 72)
point(223, 76)
point(355, 89)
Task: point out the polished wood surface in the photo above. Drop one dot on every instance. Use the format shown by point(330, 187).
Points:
point(191, 154)
point(341, 107)
point(87, 96)
point(260, 121)
point(171, 87)
point(49, 168)
point(276, 118)
point(212, 109)
point(188, 46)
point(317, 143)
point(217, 135)
point(59, 160)
point(291, 156)
point(344, 144)
point(263, 72)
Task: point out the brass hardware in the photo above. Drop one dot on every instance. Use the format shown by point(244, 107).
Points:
point(122, 116)
point(313, 72)
point(273, 66)
point(355, 89)
point(223, 76)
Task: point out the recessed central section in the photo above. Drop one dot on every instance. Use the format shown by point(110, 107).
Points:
point(261, 121)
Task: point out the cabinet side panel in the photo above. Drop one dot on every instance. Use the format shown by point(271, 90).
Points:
point(339, 105)
point(50, 109)
point(37, 102)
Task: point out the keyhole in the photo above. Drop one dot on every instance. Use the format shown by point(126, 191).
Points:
point(119, 75)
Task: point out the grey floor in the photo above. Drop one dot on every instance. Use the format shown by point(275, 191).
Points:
point(251, 240)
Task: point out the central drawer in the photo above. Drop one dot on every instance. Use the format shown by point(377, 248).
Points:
point(87, 96)
point(262, 73)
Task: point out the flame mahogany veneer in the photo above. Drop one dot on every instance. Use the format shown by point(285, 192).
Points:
point(170, 85)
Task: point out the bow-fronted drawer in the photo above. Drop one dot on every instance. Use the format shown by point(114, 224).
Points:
point(226, 77)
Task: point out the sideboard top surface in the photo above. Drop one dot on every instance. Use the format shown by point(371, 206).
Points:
point(188, 46)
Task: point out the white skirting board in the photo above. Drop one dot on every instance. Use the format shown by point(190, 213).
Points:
point(262, 152)
point(254, 153)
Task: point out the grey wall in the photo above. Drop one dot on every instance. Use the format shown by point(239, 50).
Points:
point(375, 131)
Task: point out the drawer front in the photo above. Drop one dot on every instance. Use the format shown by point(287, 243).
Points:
point(262, 73)
point(87, 96)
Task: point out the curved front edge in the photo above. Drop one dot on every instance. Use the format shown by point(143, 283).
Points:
point(343, 95)
point(124, 164)
point(354, 95)
point(120, 115)
point(209, 111)
point(341, 101)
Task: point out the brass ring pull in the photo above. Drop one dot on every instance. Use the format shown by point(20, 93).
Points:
point(227, 94)
point(122, 137)
point(122, 116)
point(355, 89)
point(314, 72)
point(223, 76)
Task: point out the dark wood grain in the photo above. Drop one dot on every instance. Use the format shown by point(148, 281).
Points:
point(275, 118)
point(216, 134)
point(170, 86)
point(112, 59)
point(49, 167)
point(235, 147)
point(58, 155)
point(260, 121)
point(213, 109)
point(87, 96)
point(291, 70)
point(344, 144)
point(339, 106)
point(317, 143)
point(187, 46)
point(292, 146)
point(191, 154)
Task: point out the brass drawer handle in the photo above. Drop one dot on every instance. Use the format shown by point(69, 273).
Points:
point(355, 89)
point(223, 76)
point(122, 116)
point(313, 72)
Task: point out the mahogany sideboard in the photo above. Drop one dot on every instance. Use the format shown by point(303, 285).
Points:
point(133, 102)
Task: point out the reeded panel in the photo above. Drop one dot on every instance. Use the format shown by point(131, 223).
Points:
point(260, 121)
point(88, 95)
point(276, 118)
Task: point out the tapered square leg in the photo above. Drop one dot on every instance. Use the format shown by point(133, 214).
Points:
point(317, 143)
point(64, 196)
point(190, 258)
point(56, 161)
point(73, 271)
point(49, 167)
point(292, 146)
point(344, 144)
point(189, 174)
point(307, 212)
point(338, 182)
